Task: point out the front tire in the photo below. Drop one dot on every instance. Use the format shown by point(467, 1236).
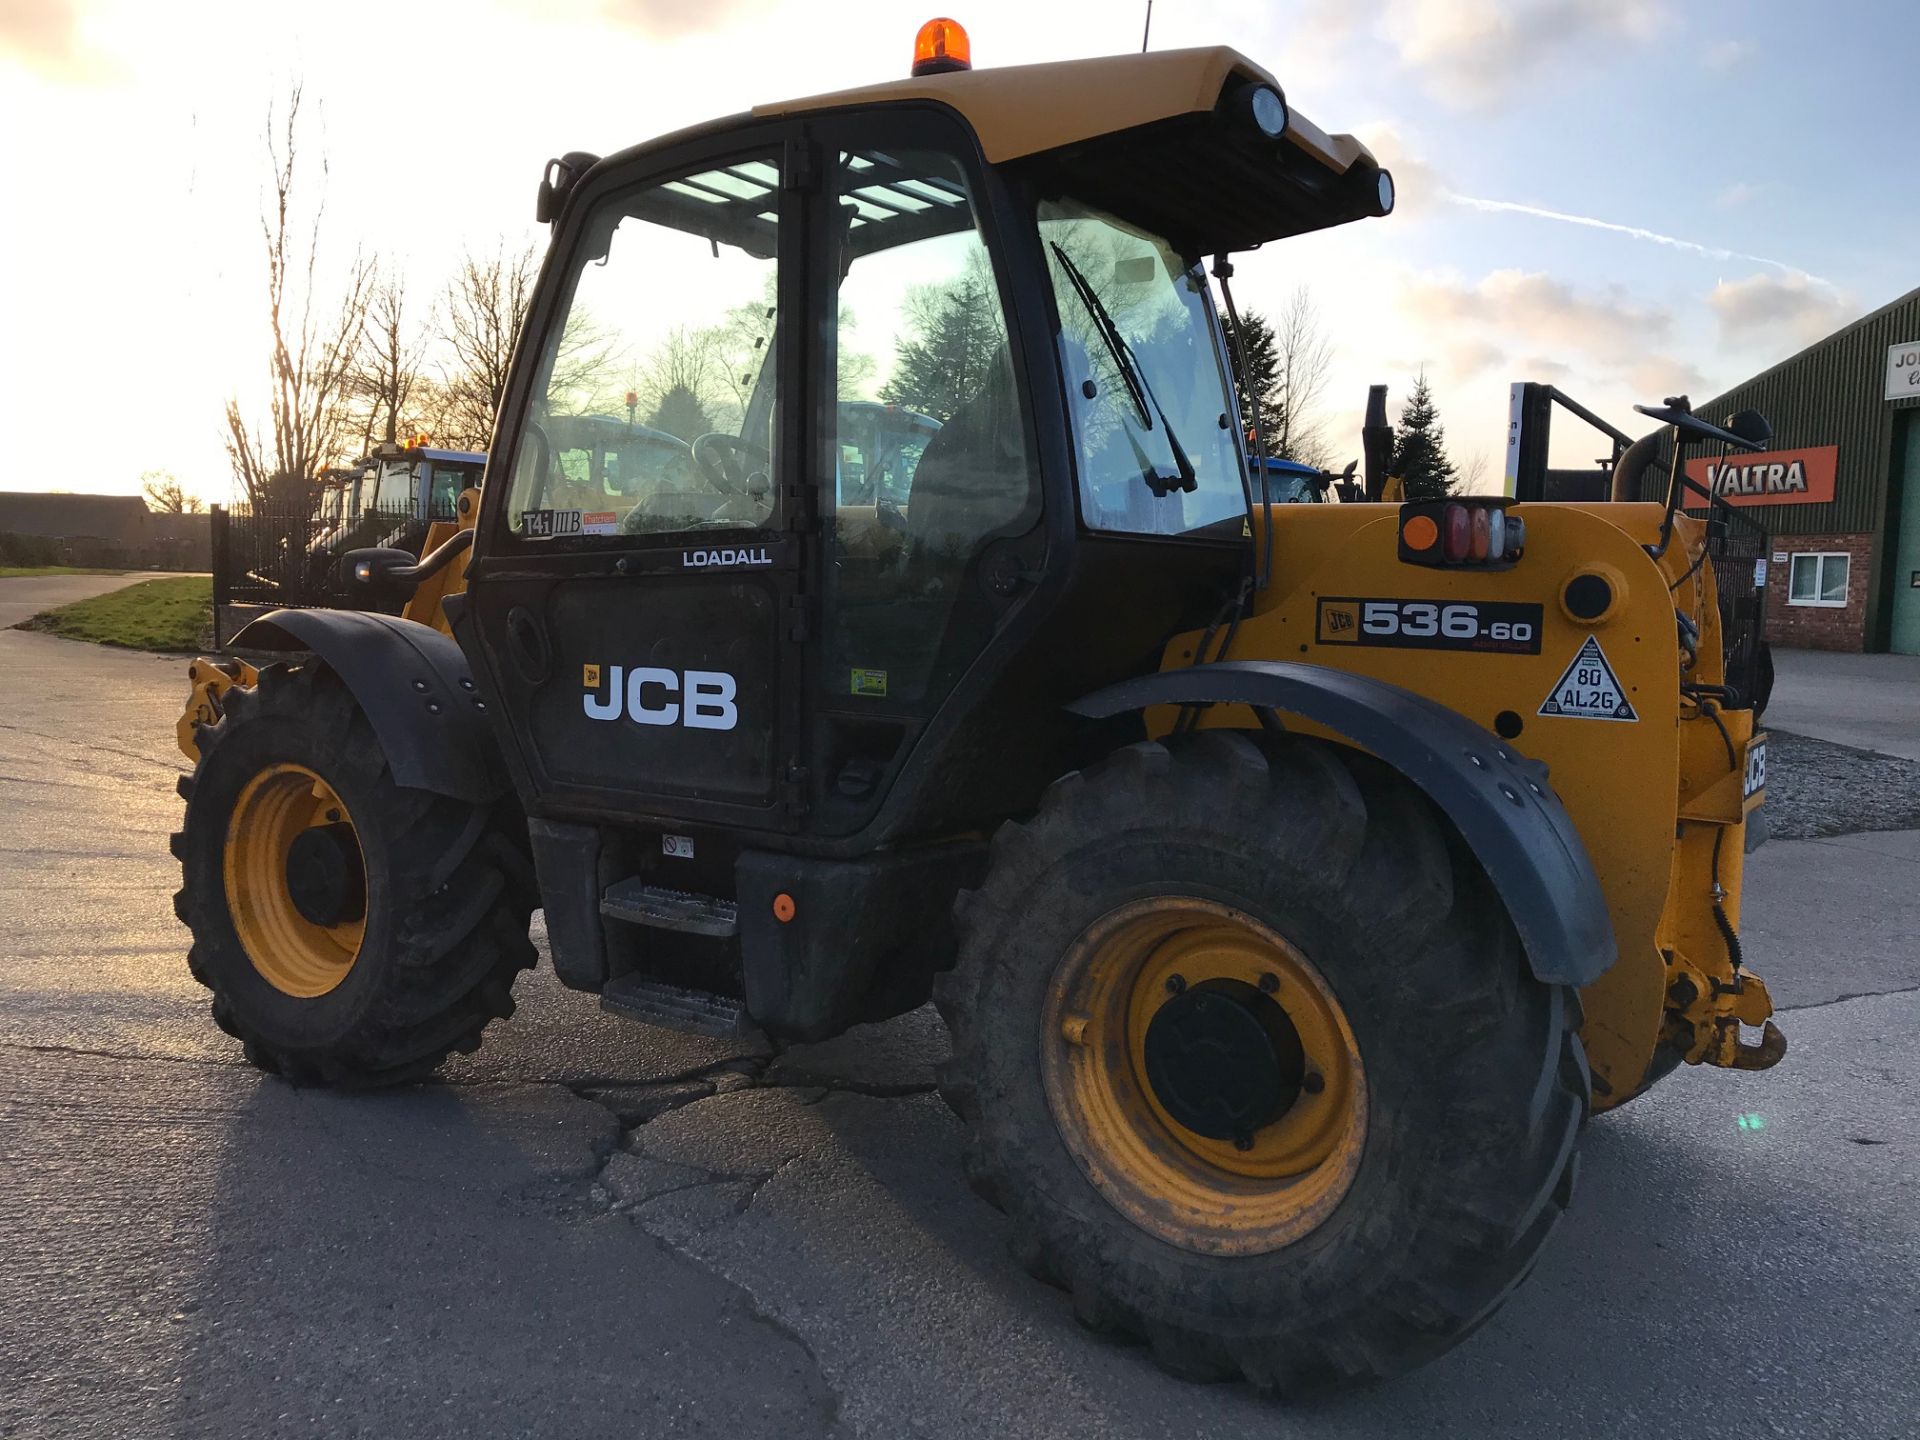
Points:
point(353, 933)
point(1343, 1222)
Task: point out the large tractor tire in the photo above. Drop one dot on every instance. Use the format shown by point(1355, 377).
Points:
point(353, 933)
point(1253, 1061)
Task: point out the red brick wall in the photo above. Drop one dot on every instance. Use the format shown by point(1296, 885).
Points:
point(1819, 627)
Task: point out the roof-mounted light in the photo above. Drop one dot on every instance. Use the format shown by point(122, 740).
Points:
point(1384, 188)
point(1267, 110)
point(940, 47)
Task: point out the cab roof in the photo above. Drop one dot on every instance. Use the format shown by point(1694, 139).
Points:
point(1021, 110)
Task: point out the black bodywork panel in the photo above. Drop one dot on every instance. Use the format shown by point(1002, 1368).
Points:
point(1498, 799)
point(415, 686)
point(865, 939)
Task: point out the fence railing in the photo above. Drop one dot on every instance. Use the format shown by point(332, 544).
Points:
point(290, 558)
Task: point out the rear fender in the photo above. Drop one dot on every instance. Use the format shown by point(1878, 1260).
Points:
point(1498, 799)
point(415, 686)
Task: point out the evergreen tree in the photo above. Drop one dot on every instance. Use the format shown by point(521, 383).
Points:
point(949, 344)
point(1420, 448)
point(1262, 380)
point(681, 413)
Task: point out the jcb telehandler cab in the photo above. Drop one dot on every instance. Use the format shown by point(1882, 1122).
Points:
point(1263, 864)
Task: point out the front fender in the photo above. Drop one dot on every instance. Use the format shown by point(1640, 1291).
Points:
point(414, 685)
point(1498, 799)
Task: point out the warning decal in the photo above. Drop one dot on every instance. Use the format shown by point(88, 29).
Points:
point(1589, 690)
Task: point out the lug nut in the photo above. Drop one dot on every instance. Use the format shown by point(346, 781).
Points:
point(1313, 1082)
point(1175, 984)
point(1243, 1142)
point(1269, 983)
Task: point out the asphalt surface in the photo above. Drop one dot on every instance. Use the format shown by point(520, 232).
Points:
point(594, 1228)
point(1869, 702)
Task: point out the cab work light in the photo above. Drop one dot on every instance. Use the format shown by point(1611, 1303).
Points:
point(1473, 530)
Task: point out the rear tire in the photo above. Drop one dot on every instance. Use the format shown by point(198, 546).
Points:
point(1473, 1080)
point(393, 983)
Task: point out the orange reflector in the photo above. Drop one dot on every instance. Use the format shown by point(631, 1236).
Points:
point(1420, 533)
point(941, 45)
point(783, 908)
point(1482, 536)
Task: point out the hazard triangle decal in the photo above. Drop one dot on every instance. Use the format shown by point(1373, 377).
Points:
point(1589, 690)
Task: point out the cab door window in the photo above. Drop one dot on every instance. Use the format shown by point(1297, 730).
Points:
point(657, 399)
point(928, 440)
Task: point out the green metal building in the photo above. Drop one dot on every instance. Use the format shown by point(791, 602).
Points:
point(1839, 488)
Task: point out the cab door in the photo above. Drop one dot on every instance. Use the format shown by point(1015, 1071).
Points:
point(634, 597)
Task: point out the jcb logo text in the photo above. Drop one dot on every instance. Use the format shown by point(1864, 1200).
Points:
point(647, 695)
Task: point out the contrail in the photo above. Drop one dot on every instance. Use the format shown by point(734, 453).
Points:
point(1712, 252)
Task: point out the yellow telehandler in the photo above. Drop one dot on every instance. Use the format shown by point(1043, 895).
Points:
point(1294, 879)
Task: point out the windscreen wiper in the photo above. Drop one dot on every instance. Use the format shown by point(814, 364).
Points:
point(1138, 390)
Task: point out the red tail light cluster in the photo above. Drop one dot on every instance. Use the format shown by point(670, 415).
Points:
point(1473, 530)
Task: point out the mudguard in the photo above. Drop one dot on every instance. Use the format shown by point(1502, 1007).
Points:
point(415, 686)
point(1499, 800)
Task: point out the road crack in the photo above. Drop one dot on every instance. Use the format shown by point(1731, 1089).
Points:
point(1843, 999)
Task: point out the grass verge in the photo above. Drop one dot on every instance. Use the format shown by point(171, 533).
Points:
point(173, 614)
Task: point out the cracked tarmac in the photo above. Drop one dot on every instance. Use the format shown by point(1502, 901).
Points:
point(594, 1228)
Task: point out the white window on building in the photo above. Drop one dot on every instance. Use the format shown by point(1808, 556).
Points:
point(1818, 580)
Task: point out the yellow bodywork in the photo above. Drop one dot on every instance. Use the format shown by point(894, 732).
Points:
point(424, 605)
point(1650, 797)
point(1021, 110)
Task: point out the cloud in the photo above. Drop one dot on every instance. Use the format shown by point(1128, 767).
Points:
point(44, 35)
point(1736, 195)
point(1542, 312)
point(1541, 367)
point(1778, 308)
point(1473, 51)
point(1659, 376)
point(678, 19)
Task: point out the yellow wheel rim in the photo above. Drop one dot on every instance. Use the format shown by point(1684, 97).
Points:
point(1246, 1195)
point(293, 954)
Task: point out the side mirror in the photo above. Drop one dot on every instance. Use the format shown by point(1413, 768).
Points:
point(378, 571)
point(1752, 427)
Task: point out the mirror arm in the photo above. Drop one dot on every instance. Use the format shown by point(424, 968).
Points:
point(363, 567)
point(435, 561)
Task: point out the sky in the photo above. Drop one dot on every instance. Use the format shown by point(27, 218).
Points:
point(1626, 198)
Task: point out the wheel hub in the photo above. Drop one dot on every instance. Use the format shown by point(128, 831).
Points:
point(1204, 1075)
point(296, 880)
point(1223, 1060)
point(326, 878)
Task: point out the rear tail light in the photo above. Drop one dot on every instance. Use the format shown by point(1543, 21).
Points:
point(1471, 531)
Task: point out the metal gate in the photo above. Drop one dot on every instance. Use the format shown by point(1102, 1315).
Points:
point(269, 557)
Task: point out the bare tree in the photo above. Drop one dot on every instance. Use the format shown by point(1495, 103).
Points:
point(167, 496)
point(1302, 356)
point(387, 363)
point(485, 306)
point(1471, 472)
point(311, 353)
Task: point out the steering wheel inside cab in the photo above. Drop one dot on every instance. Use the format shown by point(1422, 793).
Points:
point(740, 470)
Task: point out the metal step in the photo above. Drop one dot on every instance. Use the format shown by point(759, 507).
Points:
point(699, 1012)
point(638, 903)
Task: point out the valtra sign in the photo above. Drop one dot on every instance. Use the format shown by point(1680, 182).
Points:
point(1773, 477)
